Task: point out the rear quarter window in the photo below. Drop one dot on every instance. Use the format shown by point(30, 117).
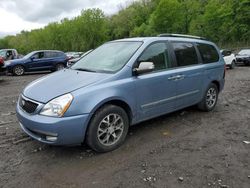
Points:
point(208, 53)
point(185, 53)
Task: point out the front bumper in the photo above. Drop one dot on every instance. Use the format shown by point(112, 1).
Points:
point(51, 130)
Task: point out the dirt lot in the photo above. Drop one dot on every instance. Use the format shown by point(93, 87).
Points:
point(187, 148)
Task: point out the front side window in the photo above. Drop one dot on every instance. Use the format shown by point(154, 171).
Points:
point(157, 54)
point(208, 53)
point(185, 53)
point(38, 55)
point(109, 57)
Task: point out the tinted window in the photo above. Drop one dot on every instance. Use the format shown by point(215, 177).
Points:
point(156, 53)
point(226, 52)
point(208, 53)
point(185, 53)
point(51, 54)
point(38, 55)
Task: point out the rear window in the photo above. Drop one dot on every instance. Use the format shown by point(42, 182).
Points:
point(208, 53)
point(185, 53)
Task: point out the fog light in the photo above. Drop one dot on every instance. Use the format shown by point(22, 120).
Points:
point(51, 138)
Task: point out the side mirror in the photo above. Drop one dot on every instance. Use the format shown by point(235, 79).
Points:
point(32, 58)
point(144, 67)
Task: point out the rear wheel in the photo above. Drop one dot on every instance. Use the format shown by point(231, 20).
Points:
point(108, 128)
point(18, 70)
point(59, 66)
point(232, 66)
point(209, 101)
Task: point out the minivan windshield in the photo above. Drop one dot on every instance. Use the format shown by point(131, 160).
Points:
point(109, 58)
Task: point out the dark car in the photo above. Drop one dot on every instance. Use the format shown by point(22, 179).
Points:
point(1, 63)
point(244, 56)
point(73, 55)
point(74, 60)
point(37, 61)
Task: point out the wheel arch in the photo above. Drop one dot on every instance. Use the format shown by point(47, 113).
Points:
point(217, 84)
point(118, 102)
point(22, 65)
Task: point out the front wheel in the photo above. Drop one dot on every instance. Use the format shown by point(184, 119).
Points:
point(108, 129)
point(18, 70)
point(209, 101)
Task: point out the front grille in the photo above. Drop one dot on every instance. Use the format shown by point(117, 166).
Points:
point(27, 105)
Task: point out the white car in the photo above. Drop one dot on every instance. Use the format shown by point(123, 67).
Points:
point(229, 58)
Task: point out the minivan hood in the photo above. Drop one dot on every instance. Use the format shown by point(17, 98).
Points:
point(59, 83)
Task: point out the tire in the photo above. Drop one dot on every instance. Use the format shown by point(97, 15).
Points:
point(18, 70)
point(210, 98)
point(233, 64)
point(246, 63)
point(103, 134)
point(59, 66)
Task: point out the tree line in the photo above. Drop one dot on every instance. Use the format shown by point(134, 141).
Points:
point(225, 22)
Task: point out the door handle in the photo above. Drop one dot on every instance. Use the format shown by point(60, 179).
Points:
point(177, 77)
point(172, 78)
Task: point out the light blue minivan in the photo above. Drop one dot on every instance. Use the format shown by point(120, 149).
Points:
point(119, 84)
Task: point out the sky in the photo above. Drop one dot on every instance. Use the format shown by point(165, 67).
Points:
point(18, 15)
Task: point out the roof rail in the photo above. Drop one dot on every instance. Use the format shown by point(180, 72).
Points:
point(180, 35)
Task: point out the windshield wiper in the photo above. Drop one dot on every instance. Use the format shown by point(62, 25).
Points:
point(83, 69)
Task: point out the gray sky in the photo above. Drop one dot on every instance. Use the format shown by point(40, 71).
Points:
point(18, 15)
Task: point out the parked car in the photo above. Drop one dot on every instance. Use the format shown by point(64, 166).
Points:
point(119, 84)
point(74, 60)
point(244, 56)
point(72, 55)
point(1, 63)
point(229, 58)
point(8, 54)
point(37, 61)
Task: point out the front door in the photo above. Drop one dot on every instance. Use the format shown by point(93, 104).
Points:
point(155, 91)
point(36, 62)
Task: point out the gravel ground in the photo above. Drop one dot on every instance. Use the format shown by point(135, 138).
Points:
point(187, 148)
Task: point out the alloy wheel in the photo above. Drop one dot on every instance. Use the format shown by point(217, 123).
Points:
point(110, 129)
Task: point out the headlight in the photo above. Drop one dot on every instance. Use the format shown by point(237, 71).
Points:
point(58, 106)
point(7, 63)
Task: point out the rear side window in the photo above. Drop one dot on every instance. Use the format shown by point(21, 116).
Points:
point(156, 53)
point(51, 54)
point(208, 53)
point(185, 53)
